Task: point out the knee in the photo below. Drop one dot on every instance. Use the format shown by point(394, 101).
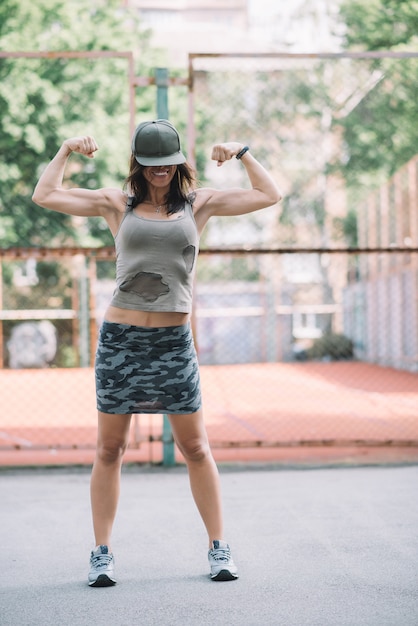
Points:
point(195, 450)
point(111, 451)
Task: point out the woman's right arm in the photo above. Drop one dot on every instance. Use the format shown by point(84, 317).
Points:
point(50, 194)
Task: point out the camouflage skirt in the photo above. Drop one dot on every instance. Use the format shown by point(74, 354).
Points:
point(146, 370)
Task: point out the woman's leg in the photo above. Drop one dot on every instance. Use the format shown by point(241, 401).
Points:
point(189, 433)
point(112, 440)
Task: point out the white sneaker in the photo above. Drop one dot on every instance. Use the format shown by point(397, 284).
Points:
point(102, 565)
point(222, 567)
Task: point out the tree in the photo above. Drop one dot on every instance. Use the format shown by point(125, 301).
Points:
point(381, 132)
point(380, 24)
point(44, 100)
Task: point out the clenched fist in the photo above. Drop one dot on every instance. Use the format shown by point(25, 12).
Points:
point(84, 145)
point(222, 152)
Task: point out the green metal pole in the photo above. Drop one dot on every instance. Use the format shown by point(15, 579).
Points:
point(84, 312)
point(161, 80)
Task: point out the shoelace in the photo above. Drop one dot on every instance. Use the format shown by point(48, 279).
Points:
point(101, 560)
point(221, 554)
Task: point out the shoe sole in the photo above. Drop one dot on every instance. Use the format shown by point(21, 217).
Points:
point(224, 575)
point(103, 581)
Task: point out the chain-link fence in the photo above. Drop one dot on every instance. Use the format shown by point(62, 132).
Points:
point(275, 371)
point(335, 131)
point(306, 313)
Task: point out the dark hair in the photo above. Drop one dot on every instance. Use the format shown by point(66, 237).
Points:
point(181, 186)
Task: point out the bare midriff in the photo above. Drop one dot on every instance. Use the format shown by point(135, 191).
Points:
point(151, 319)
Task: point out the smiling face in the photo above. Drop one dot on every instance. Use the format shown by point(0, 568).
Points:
point(159, 176)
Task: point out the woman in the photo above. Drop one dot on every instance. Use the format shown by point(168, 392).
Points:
point(146, 361)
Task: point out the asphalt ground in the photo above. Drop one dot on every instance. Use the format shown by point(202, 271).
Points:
point(334, 546)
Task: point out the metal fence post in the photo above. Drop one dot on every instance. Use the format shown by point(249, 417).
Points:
point(84, 310)
point(161, 81)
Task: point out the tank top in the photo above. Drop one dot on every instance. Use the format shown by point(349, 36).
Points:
point(155, 262)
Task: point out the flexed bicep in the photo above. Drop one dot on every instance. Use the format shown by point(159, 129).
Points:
point(50, 193)
point(263, 192)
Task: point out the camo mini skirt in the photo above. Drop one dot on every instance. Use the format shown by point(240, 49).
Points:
point(146, 370)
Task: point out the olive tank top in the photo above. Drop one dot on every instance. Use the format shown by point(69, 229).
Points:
point(155, 262)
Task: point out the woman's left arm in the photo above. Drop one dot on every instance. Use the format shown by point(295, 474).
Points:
point(263, 193)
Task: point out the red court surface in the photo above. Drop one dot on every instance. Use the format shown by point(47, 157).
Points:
point(269, 412)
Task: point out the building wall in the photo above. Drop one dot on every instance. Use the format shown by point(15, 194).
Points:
point(180, 27)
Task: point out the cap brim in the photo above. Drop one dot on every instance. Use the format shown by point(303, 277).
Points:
point(172, 159)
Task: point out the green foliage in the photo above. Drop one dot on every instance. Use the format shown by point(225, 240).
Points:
point(43, 101)
point(280, 114)
point(221, 269)
point(304, 207)
point(331, 346)
point(381, 132)
point(347, 228)
point(380, 24)
point(52, 289)
point(66, 355)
